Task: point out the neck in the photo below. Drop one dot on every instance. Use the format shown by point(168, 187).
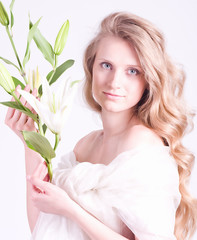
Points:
point(117, 123)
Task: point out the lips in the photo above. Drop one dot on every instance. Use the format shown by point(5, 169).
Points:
point(113, 95)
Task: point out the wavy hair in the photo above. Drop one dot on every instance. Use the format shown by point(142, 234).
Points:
point(162, 106)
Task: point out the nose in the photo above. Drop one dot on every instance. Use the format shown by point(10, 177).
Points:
point(115, 79)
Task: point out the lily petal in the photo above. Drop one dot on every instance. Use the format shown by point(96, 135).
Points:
point(29, 98)
point(52, 108)
point(47, 93)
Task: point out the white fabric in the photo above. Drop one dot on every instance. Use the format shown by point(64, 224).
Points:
point(139, 187)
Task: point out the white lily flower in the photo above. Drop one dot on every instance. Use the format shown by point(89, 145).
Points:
point(53, 108)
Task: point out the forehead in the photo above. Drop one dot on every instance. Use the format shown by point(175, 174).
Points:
point(116, 49)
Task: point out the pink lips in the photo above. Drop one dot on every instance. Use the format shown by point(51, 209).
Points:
point(112, 95)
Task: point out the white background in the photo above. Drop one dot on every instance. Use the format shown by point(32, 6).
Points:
point(176, 18)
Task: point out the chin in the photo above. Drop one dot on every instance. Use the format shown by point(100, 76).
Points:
point(111, 108)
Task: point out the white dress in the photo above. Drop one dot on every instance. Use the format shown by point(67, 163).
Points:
point(140, 187)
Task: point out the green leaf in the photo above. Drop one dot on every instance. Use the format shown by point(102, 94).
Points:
point(74, 82)
point(33, 30)
point(39, 143)
point(40, 90)
point(44, 127)
point(29, 39)
point(60, 70)
point(9, 62)
point(18, 82)
point(44, 46)
point(12, 16)
point(11, 5)
point(27, 55)
point(22, 109)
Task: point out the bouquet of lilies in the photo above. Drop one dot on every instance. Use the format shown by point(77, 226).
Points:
point(51, 108)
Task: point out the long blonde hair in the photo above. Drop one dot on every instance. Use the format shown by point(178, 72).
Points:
point(162, 107)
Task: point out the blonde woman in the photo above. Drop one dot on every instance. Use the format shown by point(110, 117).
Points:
point(128, 180)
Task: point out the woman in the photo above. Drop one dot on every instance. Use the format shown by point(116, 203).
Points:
point(128, 180)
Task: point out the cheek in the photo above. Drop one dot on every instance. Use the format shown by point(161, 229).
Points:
point(136, 91)
point(141, 92)
point(95, 88)
point(97, 82)
point(142, 84)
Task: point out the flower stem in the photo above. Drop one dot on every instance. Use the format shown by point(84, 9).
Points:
point(18, 100)
point(56, 58)
point(54, 69)
point(24, 109)
point(16, 54)
point(52, 76)
point(50, 171)
point(57, 140)
point(40, 126)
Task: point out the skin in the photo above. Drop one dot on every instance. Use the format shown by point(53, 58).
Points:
point(118, 85)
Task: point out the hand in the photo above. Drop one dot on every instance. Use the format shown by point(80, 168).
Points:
point(17, 120)
point(47, 197)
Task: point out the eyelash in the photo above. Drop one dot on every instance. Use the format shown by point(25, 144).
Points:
point(107, 66)
point(134, 73)
point(103, 65)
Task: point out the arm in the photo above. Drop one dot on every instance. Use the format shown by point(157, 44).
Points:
point(32, 160)
point(18, 121)
point(52, 199)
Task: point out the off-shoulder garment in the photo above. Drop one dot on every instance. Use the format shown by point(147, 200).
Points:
point(140, 188)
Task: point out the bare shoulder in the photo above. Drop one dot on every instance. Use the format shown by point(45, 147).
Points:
point(140, 135)
point(85, 144)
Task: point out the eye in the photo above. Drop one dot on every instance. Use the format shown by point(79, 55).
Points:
point(106, 65)
point(133, 71)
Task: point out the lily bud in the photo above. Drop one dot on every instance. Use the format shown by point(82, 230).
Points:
point(6, 80)
point(61, 38)
point(4, 19)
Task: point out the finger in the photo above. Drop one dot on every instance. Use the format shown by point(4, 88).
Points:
point(11, 111)
point(35, 187)
point(35, 92)
point(23, 119)
point(9, 115)
point(46, 178)
point(39, 170)
point(17, 114)
point(39, 184)
point(44, 173)
point(27, 88)
point(30, 122)
point(30, 125)
point(30, 107)
point(16, 90)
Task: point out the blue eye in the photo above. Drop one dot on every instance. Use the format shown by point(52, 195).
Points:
point(106, 65)
point(133, 71)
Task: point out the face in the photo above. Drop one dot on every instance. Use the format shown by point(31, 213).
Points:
point(118, 83)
